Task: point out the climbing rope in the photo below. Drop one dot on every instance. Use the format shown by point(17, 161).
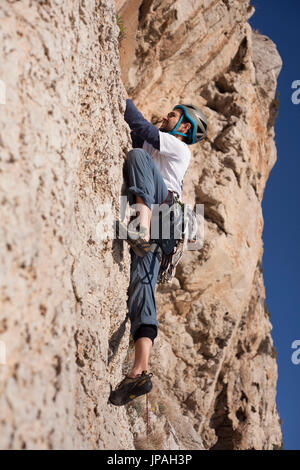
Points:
point(147, 416)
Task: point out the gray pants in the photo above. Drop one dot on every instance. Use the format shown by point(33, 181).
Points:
point(145, 180)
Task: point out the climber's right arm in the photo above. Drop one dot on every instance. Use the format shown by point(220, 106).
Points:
point(140, 127)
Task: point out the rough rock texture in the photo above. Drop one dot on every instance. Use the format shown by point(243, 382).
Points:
point(214, 359)
point(63, 140)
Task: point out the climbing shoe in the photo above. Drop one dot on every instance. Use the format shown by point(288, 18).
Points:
point(136, 239)
point(130, 388)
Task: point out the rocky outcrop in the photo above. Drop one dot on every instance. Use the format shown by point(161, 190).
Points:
point(214, 357)
point(63, 140)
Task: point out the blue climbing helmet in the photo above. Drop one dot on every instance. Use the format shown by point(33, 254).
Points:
point(195, 116)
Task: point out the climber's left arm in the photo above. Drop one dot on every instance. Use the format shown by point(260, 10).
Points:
point(140, 127)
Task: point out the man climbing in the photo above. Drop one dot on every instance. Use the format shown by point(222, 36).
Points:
point(154, 170)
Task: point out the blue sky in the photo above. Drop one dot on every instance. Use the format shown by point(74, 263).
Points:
point(281, 260)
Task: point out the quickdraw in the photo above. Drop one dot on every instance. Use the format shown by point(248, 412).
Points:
point(170, 259)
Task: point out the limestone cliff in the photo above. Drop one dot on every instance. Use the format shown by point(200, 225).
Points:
point(63, 289)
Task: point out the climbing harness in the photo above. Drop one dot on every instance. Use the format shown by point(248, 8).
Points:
point(170, 251)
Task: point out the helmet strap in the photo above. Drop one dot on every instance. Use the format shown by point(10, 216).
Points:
point(174, 131)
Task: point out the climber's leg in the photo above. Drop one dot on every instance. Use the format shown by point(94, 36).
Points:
point(141, 295)
point(142, 353)
point(145, 187)
point(144, 214)
point(144, 179)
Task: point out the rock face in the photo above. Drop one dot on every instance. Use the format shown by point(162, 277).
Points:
point(63, 141)
point(214, 357)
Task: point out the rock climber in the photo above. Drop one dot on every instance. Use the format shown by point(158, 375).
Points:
point(154, 170)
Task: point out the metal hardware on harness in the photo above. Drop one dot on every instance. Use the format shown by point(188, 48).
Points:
point(168, 262)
